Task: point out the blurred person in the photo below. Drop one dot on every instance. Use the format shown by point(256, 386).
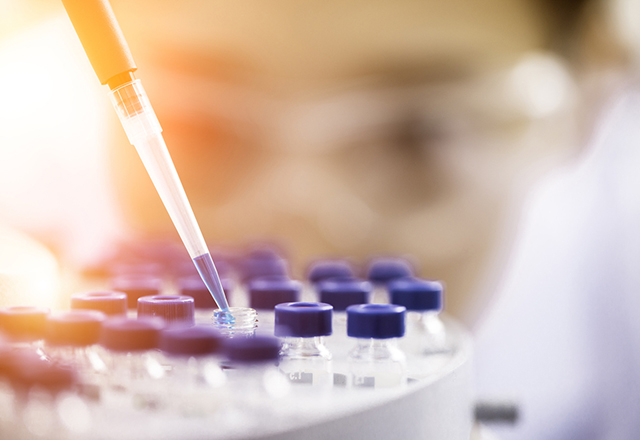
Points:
point(350, 128)
point(562, 337)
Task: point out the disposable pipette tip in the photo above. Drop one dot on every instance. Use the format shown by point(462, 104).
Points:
point(209, 274)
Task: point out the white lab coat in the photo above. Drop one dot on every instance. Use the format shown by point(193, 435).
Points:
point(563, 337)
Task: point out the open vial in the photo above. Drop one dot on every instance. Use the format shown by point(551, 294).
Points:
point(236, 322)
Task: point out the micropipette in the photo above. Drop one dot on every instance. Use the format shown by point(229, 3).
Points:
point(109, 54)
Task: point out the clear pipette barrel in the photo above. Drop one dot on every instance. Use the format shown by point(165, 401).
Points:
point(145, 134)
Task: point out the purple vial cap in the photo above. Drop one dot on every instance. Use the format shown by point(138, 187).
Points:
point(344, 292)
point(198, 340)
point(252, 350)
point(194, 287)
point(124, 334)
point(171, 308)
point(325, 269)
point(76, 328)
point(416, 294)
point(137, 286)
point(24, 322)
point(107, 302)
point(262, 262)
point(265, 293)
point(383, 270)
point(377, 321)
point(303, 319)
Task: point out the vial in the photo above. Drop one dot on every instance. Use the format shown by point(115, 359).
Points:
point(255, 386)
point(45, 403)
point(262, 262)
point(325, 269)
point(72, 338)
point(376, 361)
point(195, 374)
point(380, 271)
point(342, 293)
point(237, 322)
point(304, 358)
point(110, 303)
point(137, 286)
point(426, 335)
point(194, 287)
point(134, 364)
point(25, 326)
point(265, 293)
point(173, 309)
point(322, 270)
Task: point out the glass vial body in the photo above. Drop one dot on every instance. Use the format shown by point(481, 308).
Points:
point(194, 370)
point(376, 363)
point(306, 361)
point(134, 364)
point(304, 358)
point(237, 322)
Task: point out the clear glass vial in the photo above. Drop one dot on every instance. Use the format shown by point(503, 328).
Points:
point(195, 380)
point(381, 271)
point(236, 322)
point(427, 343)
point(134, 364)
point(72, 338)
point(45, 404)
point(423, 300)
point(322, 270)
point(342, 293)
point(255, 387)
point(267, 292)
point(304, 358)
point(376, 361)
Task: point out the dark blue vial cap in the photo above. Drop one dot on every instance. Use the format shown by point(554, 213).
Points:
point(124, 334)
point(194, 287)
point(252, 350)
point(325, 269)
point(377, 321)
point(198, 340)
point(416, 294)
point(383, 270)
point(303, 319)
point(266, 293)
point(344, 292)
point(171, 308)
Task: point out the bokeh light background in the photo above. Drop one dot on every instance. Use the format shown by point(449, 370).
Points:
point(336, 128)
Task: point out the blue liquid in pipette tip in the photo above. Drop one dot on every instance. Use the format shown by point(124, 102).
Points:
point(209, 274)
